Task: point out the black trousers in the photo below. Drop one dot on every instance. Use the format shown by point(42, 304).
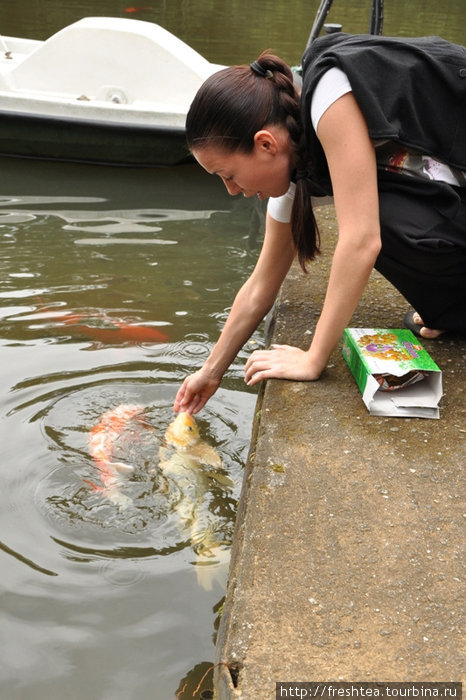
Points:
point(423, 227)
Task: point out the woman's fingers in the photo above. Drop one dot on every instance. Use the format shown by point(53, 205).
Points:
point(280, 362)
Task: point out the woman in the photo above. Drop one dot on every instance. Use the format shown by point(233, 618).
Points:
point(381, 125)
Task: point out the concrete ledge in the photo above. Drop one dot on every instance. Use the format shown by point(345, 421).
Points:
point(347, 554)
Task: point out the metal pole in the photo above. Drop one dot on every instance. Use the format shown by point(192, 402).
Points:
point(319, 20)
point(376, 22)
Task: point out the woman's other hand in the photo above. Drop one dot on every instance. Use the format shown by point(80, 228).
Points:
point(281, 362)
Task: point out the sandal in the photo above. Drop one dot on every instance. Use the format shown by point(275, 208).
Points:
point(408, 322)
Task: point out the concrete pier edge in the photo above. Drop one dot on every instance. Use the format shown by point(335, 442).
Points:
point(346, 560)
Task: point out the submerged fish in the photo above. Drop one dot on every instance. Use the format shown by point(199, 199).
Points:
point(185, 460)
point(105, 329)
point(102, 439)
point(186, 466)
point(120, 332)
point(130, 10)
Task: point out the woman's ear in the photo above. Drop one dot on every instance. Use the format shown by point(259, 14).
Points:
point(265, 141)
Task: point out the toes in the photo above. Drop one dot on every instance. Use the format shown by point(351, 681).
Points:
point(430, 333)
point(424, 331)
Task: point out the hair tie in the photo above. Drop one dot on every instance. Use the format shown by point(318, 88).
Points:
point(260, 70)
point(301, 174)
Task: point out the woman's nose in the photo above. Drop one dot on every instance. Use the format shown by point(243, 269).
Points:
point(232, 187)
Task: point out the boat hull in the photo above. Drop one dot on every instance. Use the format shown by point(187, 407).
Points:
point(91, 141)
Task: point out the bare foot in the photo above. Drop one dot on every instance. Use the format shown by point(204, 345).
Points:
point(425, 332)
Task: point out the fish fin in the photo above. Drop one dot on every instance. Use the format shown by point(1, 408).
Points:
point(221, 479)
point(205, 454)
point(213, 568)
point(121, 468)
point(205, 540)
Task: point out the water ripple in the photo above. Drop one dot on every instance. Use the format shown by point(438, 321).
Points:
point(74, 508)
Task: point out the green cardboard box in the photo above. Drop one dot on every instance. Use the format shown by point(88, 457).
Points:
point(394, 373)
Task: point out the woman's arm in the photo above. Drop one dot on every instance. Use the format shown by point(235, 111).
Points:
point(251, 304)
point(350, 154)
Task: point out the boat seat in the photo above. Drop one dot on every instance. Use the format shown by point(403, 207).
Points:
point(113, 59)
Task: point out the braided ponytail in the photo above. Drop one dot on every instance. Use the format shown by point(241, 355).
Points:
point(306, 235)
point(237, 102)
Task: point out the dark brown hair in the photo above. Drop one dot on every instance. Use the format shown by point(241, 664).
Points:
point(237, 102)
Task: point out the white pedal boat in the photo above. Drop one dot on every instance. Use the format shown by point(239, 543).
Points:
point(102, 90)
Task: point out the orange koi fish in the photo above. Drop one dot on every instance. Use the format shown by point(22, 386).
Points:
point(102, 438)
point(121, 332)
point(107, 330)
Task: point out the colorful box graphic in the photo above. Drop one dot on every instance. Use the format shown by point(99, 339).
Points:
point(395, 374)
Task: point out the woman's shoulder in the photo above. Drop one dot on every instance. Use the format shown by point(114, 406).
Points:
point(333, 84)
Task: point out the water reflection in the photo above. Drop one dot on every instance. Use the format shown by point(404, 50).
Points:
point(4, 547)
point(108, 222)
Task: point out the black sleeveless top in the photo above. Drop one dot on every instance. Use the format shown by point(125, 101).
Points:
point(412, 91)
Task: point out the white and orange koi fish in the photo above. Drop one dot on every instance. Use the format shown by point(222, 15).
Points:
point(102, 439)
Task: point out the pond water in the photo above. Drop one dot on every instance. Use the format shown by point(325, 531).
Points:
point(115, 284)
point(97, 599)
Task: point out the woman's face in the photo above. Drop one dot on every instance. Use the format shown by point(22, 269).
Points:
point(264, 172)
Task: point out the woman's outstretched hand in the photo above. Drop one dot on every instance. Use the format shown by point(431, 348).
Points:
point(280, 362)
point(195, 391)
